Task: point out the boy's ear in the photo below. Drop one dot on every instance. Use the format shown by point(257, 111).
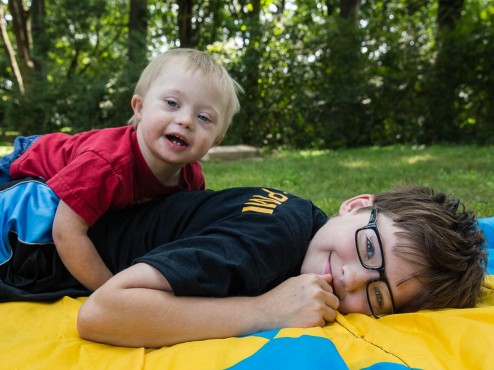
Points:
point(136, 104)
point(360, 201)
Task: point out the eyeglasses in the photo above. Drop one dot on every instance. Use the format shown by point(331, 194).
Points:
point(370, 253)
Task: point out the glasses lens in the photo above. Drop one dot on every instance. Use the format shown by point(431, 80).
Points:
point(379, 298)
point(369, 249)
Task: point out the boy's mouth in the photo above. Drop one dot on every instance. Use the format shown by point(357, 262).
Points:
point(330, 271)
point(327, 270)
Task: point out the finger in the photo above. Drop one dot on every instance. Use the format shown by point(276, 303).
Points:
point(332, 301)
point(327, 277)
point(330, 315)
point(325, 281)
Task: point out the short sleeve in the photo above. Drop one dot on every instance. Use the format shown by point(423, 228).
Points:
point(206, 266)
point(89, 185)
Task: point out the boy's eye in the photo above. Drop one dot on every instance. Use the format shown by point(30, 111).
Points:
point(378, 296)
point(370, 249)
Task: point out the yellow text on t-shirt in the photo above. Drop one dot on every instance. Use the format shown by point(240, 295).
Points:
point(264, 203)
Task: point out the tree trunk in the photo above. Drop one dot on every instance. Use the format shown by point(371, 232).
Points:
point(186, 33)
point(443, 125)
point(252, 60)
point(22, 35)
point(32, 49)
point(346, 126)
point(330, 7)
point(349, 9)
point(40, 43)
point(449, 13)
point(10, 52)
point(138, 25)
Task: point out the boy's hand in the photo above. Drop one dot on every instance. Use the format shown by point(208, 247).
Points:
point(137, 308)
point(302, 301)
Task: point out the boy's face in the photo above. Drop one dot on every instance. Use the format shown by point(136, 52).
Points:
point(180, 117)
point(333, 251)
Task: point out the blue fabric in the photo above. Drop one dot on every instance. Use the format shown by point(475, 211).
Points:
point(387, 366)
point(21, 144)
point(487, 226)
point(304, 352)
point(269, 334)
point(28, 209)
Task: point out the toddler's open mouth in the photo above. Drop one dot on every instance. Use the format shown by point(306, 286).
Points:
point(177, 140)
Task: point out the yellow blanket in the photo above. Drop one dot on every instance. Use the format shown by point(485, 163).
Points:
point(44, 336)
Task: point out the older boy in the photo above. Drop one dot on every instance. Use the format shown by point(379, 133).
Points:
point(216, 264)
point(183, 104)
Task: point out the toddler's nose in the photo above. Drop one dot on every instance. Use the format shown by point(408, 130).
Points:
point(186, 120)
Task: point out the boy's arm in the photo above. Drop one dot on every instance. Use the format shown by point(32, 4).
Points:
point(137, 308)
point(76, 250)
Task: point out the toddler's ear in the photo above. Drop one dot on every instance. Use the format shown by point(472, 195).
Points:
point(360, 201)
point(136, 104)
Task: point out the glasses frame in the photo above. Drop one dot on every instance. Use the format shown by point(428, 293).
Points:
point(382, 275)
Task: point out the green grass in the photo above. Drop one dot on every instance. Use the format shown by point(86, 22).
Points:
point(330, 177)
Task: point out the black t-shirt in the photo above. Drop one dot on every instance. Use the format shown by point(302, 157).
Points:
point(239, 241)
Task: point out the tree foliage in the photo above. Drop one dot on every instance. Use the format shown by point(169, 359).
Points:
point(316, 73)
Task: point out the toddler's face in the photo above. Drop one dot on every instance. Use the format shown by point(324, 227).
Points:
point(181, 116)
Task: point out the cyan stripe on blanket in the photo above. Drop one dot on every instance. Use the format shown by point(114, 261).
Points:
point(487, 226)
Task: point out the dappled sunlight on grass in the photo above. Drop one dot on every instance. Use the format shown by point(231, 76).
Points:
point(291, 154)
point(313, 153)
point(355, 164)
point(393, 160)
point(414, 159)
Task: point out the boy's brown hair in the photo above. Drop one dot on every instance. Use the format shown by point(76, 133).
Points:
point(443, 240)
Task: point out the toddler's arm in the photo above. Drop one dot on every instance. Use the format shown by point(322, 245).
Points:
point(76, 250)
point(137, 308)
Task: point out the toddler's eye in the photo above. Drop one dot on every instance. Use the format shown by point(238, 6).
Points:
point(172, 103)
point(203, 118)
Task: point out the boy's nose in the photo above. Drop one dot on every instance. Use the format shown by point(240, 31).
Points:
point(355, 276)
